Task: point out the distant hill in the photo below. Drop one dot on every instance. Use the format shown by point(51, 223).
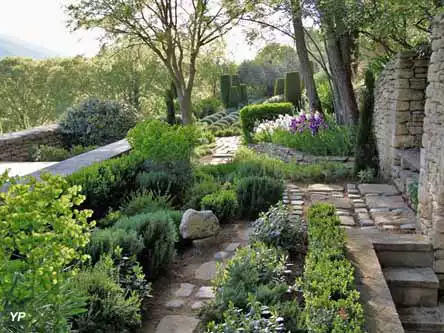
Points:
point(10, 47)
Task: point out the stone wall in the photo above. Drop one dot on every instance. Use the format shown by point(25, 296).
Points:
point(399, 108)
point(16, 146)
point(431, 180)
point(385, 104)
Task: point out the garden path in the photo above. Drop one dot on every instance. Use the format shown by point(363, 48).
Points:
point(224, 150)
point(179, 297)
point(180, 294)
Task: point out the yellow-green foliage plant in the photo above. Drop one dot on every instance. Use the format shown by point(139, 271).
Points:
point(42, 239)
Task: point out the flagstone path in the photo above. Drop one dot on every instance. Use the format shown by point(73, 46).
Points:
point(224, 150)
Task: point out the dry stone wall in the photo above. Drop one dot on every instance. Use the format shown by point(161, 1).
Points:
point(431, 180)
point(385, 104)
point(16, 146)
point(399, 108)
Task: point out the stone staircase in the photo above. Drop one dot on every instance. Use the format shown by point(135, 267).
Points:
point(408, 269)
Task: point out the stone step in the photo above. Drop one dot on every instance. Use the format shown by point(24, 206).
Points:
point(422, 319)
point(404, 253)
point(412, 286)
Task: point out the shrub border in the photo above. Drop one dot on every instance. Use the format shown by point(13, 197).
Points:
point(328, 282)
point(259, 112)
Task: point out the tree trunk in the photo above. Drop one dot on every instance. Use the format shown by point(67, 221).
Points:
point(337, 40)
point(306, 68)
point(184, 97)
point(169, 100)
point(343, 86)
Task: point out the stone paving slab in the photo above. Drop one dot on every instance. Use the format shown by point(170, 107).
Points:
point(205, 292)
point(175, 304)
point(207, 271)
point(221, 255)
point(197, 305)
point(390, 218)
point(381, 189)
point(347, 220)
point(232, 247)
point(177, 324)
point(391, 202)
point(325, 188)
point(185, 290)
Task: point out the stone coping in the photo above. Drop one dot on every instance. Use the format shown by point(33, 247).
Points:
point(73, 164)
point(379, 309)
point(29, 132)
point(23, 168)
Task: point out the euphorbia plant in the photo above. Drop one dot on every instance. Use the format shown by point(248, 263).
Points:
point(42, 238)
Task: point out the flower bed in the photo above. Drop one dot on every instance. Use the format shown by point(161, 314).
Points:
point(309, 133)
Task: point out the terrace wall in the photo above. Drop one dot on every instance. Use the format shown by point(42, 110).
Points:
point(399, 109)
point(431, 180)
point(17, 146)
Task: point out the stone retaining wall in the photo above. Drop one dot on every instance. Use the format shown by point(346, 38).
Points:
point(399, 107)
point(385, 104)
point(431, 180)
point(16, 146)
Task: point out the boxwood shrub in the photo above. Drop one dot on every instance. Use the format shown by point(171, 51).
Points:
point(251, 114)
point(331, 299)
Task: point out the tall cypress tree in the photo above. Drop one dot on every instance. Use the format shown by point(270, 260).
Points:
point(366, 154)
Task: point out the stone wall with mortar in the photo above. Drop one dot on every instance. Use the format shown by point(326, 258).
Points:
point(399, 107)
point(431, 180)
point(16, 146)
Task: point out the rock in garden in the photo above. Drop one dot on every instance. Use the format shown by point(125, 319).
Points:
point(198, 224)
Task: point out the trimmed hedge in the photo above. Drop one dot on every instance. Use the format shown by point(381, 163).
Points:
point(243, 93)
point(331, 299)
point(225, 86)
point(235, 96)
point(235, 80)
point(279, 86)
point(292, 91)
point(251, 114)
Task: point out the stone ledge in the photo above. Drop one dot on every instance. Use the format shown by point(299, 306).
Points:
point(29, 132)
point(420, 277)
point(379, 309)
point(73, 164)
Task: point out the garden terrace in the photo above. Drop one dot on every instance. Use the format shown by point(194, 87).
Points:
point(299, 212)
point(408, 118)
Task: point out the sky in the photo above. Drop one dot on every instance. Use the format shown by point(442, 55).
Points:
point(43, 23)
